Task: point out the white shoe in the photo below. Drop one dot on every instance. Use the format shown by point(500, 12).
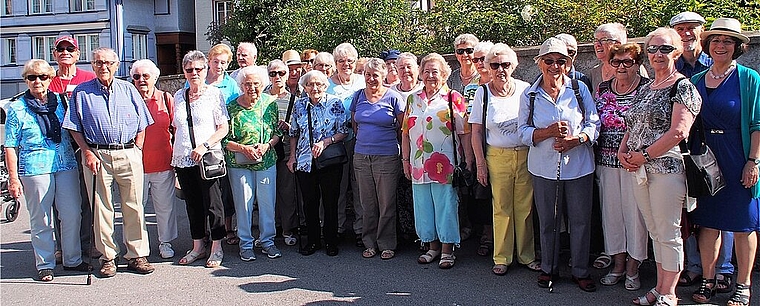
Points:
point(165, 250)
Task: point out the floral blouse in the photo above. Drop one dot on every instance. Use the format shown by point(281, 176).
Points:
point(328, 118)
point(427, 122)
point(649, 118)
point(251, 126)
point(611, 108)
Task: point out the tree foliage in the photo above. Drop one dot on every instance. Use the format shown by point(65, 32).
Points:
point(376, 25)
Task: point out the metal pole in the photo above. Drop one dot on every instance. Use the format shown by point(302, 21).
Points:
point(555, 232)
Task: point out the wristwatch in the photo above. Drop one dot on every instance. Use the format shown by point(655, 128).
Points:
point(582, 139)
point(754, 160)
point(206, 145)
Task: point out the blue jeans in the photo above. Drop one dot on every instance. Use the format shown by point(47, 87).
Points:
point(39, 192)
point(722, 266)
point(244, 183)
point(435, 212)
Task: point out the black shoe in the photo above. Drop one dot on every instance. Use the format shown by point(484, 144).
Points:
point(331, 250)
point(359, 242)
point(310, 249)
point(545, 279)
point(82, 267)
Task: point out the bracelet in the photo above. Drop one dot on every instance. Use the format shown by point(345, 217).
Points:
point(332, 139)
point(646, 155)
point(405, 159)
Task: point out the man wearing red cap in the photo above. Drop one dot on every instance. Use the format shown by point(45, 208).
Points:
point(68, 76)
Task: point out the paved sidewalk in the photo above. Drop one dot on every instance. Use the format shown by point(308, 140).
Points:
point(297, 280)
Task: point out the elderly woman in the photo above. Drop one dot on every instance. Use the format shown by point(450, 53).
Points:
point(559, 122)
point(479, 59)
point(659, 118)
point(307, 57)
point(434, 116)
point(731, 95)
point(42, 167)
point(605, 37)
point(625, 235)
point(505, 159)
point(203, 198)
point(325, 63)
point(376, 114)
point(464, 47)
point(157, 153)
point(251, 159)
point(319, 121)
point(408, 71)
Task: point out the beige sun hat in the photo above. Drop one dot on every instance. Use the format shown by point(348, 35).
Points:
point(726, 26)
point(552, 45)
point(291, 57)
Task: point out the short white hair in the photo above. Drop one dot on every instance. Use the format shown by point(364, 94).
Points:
point(145, 63)
point(466, 39)
point(616, 30)
point(345, 50)
point(483, 46)
point(259, 71)
point(249, 46)
point(313, 74)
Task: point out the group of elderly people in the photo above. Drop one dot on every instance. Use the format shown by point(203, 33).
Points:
point(307, 130)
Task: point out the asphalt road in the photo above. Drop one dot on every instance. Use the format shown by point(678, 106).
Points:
point(298, 280)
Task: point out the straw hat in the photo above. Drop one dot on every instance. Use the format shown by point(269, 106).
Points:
point(726, 26)
point(291, 57)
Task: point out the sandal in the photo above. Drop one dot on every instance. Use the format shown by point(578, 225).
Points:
point(586, 283)
point(215, 260)
point(45, 275)
point(232, 238)
point(290, 239)
point(603, 261)
point(447, 261)
point(740, 296)
point(645, 301)
point(369, 253)
point(428, 257)
point(705, 293)
point(632, 283)
point(387, 254)
point(725, 281)
point(687, 279)
point(485, 248)
point(612, 278)
point(534, 266)
point(499, 269)
point(666, 300)
point(191, 256)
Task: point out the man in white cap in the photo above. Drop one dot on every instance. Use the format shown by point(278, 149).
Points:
point(689, 25)
point(68, 76)
point(246, 55)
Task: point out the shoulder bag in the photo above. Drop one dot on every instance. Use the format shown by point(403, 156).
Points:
point(479, 191)
point(212, 162)
point(463, 178)
point(334, 154)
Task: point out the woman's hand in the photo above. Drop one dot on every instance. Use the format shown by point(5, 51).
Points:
point(631, 160)
point(749, 174)
point(317, 149)
point(260, 149)
point(564, 144)
point(283, 126)
point(197, 154)
point(15, 188)
point(407, 169)
point(483, 174)
point(248, 151)
point(558, 129)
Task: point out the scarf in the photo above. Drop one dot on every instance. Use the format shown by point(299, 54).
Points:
point(45, 114)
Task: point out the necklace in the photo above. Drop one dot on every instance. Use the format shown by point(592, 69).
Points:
point(656, 84)
point(724, 74)
point(629, 87)
point(468, 78)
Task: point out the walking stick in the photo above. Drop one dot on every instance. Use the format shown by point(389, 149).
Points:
point(92, 226)
point(555, 232)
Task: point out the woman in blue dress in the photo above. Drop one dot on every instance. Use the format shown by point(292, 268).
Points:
point(731, 116)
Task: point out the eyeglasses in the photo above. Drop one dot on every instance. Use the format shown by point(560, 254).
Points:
point(42, 77)
point(275, 73)
point(726, 42)
point(100, 63)
point(571, 52)
point(137, 77)
point(310, 61)
point(504, 65)
point(627, 63)
point(664, 49)
point(462, 51)
point(346, 61)
point(197, 70)
point(69, 48)
point(549, 61)
point(605, 41)
point(478, 59)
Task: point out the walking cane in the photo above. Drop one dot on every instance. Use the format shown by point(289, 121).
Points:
point(92, 226)
point(555, 232)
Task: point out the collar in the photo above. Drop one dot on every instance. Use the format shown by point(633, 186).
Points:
point(537, 84)
point(441, 92)
point(704, 59)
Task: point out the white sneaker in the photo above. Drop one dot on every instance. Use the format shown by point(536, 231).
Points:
point(165, 250)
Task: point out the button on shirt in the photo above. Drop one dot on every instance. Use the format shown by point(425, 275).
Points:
point(107, 115)
point(576, 162)
point(328, 118)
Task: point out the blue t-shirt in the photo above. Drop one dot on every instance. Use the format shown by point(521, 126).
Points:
point(377, 124)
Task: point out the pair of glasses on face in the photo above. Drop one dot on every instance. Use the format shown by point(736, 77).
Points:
point(465, 50)
point(726, 42)
point(504, 65)
point(627, 63)
point(550, 62)
point(605, 41)
point(100, 63)
point(478, 59)
point(71, 49)
point(197, 70)
point(137, 77)
point(346, 61)
point(664, 49)
point(276, 73)
point(571, 52)
point(308, 61)
point(41, 77)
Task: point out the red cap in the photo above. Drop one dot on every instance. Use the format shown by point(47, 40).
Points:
point(69, 39)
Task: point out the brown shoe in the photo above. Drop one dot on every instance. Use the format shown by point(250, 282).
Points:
point(108, 268)
point(140, 265)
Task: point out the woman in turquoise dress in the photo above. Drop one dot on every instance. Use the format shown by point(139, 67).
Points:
point(731, 116)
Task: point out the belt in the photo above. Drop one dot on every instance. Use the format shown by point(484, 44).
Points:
point(116, 146)
point(522, 148)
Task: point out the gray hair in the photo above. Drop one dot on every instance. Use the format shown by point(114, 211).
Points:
point(275, 63)
point(345, 50)
point(106, 50)
point(324, 57)
point(568, 39)
point(483, 46)
point(378, 65)
point(145, 63)
point(252, 70)
point(466, 39)
point(435, 57)
point(502, 49)
point(408, 56)
point(250, 46)
point(616, 30)
point(666, 32)
point(312, 74)
point(194, 56)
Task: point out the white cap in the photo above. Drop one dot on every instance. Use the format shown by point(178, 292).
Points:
point(685, 17)
point(552, 45)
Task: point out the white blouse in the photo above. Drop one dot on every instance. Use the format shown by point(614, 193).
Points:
point(209, 111)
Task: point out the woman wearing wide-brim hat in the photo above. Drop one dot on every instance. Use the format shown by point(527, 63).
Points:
point(731, 115)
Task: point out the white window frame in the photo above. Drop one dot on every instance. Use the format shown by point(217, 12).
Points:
point(44, 7)
point(139, 46)
point(9, 51)
point(42, 47)
point(84, 5)
point(87, 43)
point(7, 8)
point(222, 8)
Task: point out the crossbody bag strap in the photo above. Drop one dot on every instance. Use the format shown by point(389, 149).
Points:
point(289, 112)
point(577, 92)
point(531, 106)
point(682, 145)
point(453, 129)
point(189, 118)
point(311, 128)
point(485, 112)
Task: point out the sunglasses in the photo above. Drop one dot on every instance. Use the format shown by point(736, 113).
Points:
point(462, 51)
point(560, 62)
point(276, 73)
point(190, 70)
point(42, 77)
point(504, 65)
point(664, 49)
point(571, 52)
point(478, 59)
point(137, 77)
point(69, 48)
point(100, 63)
point(310, 61)
point(627, 63)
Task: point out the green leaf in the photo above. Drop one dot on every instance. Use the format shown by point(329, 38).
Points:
point(417, 154)
point(445, 130)
point(427, 147)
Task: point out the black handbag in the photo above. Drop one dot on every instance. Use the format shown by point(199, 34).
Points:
point(212, 165)
point(479, 191)
point(463, 178)
point(334, 154)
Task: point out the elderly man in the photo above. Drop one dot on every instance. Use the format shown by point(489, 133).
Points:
point(107, 117)
point(68, 76)
point(572, 51)
point(246, 56)
point(689, 26)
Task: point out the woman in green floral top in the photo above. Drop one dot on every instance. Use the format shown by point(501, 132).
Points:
point(251, 159)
